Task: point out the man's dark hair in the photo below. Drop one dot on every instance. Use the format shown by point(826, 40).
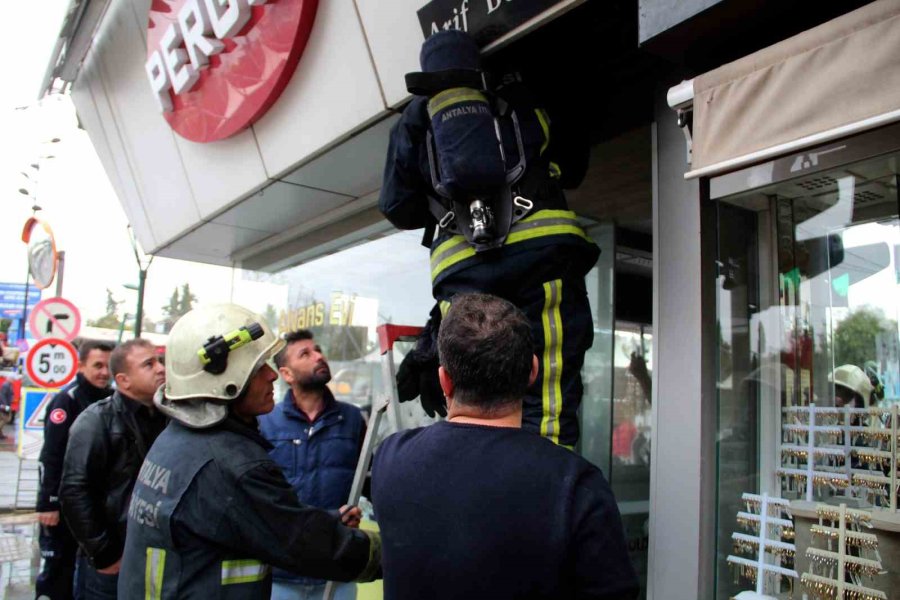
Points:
point(290, 337)
point(85, 347)
point(118, 360)
point(485, 346)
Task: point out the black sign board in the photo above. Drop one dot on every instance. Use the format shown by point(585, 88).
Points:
point(485, 20)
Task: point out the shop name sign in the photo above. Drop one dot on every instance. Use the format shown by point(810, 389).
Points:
point(485, 20)
point(216, 66)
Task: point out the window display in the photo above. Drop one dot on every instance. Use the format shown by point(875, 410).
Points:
point(808, 304)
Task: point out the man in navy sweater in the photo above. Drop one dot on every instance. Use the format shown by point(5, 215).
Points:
point(316, 441)
point(477, 507)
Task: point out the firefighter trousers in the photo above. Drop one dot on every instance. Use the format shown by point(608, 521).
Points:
point(562, 329)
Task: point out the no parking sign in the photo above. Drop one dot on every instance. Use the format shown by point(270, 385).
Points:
point(51, 363)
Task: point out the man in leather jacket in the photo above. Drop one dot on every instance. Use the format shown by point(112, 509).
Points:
point(58, 547)
point(107, 445)
point(211, 512)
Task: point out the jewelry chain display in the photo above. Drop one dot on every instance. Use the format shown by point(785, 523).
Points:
point(838, 571)
point(829, 451)
point(764, 517)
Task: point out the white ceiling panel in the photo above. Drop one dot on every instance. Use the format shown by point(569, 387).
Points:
point(280, 206)
point(213, 241)
point(395, 37)
point(332, 93)
point(353, 168)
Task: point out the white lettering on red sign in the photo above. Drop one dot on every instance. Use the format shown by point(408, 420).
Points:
point(188, 43)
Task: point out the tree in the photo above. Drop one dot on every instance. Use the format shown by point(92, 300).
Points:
point(186, 302)
point(112, 305)
point(854, 337)
point(111, 319)
point(271, 317)
point(179, 305)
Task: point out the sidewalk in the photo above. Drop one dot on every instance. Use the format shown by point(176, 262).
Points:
point(19, 555)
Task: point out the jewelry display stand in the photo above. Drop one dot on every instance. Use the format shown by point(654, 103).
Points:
point(849, 558)
point(850, 452)
point(765, 515)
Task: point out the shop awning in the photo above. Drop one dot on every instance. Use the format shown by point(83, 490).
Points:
point(837, 79)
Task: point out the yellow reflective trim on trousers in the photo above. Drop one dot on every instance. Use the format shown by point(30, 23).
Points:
point(551, 388)
point(555, 171)
point(153, 573)
point(243, 571)
point(453, 96)
point(544, 120)
point(542, 223)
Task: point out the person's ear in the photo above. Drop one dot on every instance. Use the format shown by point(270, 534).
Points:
point(122, 381)
point(535, 368)
point(286, 375)
point(446, 382)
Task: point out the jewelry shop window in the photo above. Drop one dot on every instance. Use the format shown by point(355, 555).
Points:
point(808, 304)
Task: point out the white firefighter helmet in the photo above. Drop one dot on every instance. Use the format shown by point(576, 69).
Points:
point(854, 379)
point(211, 354)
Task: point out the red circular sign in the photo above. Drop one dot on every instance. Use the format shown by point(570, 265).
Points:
point(246, 70)
point(52, 362)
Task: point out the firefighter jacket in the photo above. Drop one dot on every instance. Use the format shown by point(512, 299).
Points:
point(319, 458)
point(58, 418)
point(211, 513)
point(107, 445)
point(549, 232)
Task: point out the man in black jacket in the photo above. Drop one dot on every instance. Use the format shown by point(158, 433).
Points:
point(58, 548)
point(211, 512)
point(106, 447)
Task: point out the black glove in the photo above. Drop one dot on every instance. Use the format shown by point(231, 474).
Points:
point(418, 373)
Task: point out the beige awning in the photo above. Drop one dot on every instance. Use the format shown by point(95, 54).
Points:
point(837, 79)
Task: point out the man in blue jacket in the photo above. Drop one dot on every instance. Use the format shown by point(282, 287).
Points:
point(316, 442)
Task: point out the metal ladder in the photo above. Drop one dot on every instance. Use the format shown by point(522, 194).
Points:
point(388, 402)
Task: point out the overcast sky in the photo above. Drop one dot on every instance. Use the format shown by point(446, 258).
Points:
point(72, 188)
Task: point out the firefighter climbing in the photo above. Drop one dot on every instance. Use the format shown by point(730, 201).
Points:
point(479, 166)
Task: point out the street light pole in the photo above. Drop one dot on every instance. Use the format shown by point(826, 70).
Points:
point(142, 280)
point(139, 316)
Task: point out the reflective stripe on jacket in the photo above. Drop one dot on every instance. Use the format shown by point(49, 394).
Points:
point(544, 228)
point(211, 511)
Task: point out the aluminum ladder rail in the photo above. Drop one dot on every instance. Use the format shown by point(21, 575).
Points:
point(388, 335)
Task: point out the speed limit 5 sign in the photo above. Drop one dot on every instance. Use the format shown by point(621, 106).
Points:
point(52, 362)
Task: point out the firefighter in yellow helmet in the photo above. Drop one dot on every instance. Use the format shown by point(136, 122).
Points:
point(211, 512)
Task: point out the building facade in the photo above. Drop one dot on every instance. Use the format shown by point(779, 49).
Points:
point(742, 186)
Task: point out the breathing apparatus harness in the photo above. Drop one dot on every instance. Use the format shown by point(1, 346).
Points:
point(476, 196)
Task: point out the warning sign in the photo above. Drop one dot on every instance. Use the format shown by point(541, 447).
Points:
point(55, 318)
point(51, 363)
point(34, 408)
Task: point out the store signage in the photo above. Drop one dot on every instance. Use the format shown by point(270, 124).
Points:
point(313, 315)
point(12, 297)
point(485, 20)
point(216, 66)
